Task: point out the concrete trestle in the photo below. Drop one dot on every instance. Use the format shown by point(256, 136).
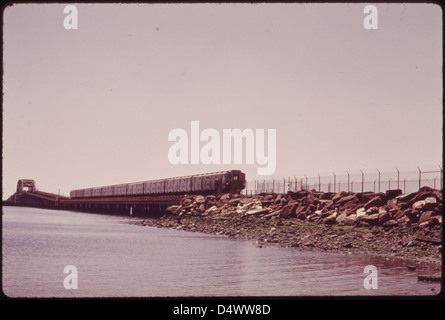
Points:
point(131, 205)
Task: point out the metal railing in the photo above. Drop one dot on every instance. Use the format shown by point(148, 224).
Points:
point(407, 181)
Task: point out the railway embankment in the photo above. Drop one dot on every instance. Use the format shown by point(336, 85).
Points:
point(391, 223)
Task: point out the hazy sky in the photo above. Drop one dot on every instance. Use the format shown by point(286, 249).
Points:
point(94, 106)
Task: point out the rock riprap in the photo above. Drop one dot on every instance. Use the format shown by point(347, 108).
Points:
point(406, 225)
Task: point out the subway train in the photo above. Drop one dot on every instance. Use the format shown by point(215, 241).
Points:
point(217, 182)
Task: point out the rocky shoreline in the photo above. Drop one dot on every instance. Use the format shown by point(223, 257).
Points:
point(407, 226)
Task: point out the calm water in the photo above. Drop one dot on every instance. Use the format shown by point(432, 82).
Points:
point(116, 259)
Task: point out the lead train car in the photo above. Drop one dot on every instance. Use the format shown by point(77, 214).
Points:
point(217, 182)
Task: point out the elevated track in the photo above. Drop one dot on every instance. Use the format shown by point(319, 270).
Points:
point(148, 205)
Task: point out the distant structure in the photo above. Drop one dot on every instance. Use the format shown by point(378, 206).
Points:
point(27, 195)
point(26, 183)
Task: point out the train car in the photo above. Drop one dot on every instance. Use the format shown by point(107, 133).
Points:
point(197, 183)
point(185, 185)
point(235, 181)
point(219, 182)
point(120, 190)
point(87, 193)
point(76, 194)
point(211, 182)
point(130, 189)
point(176, 185)
point(135, 189)
point(232, 181)
point(107, 191)
point(159, 186)
point(147, 187)
point(224, 182)
point(168, 183)
point(96, 192)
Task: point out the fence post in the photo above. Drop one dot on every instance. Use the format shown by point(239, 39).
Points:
point(420, 177)
point(398, 177)
point(441, 178)
point(389, 184)
point(348, 180)
point(404, 185)
point(363, 179)
point(334, 180)
point(319, 183)
point(379, 179)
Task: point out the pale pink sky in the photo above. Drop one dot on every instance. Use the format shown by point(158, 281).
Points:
point(94, 106)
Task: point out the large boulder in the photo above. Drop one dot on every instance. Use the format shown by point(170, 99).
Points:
point(348, 199)
point(374, 202)
point(366, 196)
point(397, 214)
point(431, 204)
point(339, 195)
point(371, 219)
point(200, 199)
point(383, 217)
point(360, 212)
point(418, 205)
point(174, 209)
point(422, 195)
point(213, 210)
point(350, 220)
point(341, 218)
point(391, 194)
point(298, 195)
point(405, 197)
point(255, 211)
point(391, 204)
point(187, 202)
point(390, 223)
point(426, 216)
point(400, 216)
point(412, 215)
point(329, 219)
point(328, 204)
point(225, 198)
point(372, 210)
point(301, 215)
point(288, 210)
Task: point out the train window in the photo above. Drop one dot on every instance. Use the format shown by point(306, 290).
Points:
point(235, 178)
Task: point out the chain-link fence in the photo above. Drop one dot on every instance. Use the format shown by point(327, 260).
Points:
point(407, 181)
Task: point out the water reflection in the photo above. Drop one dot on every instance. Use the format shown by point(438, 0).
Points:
point(115, 258)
